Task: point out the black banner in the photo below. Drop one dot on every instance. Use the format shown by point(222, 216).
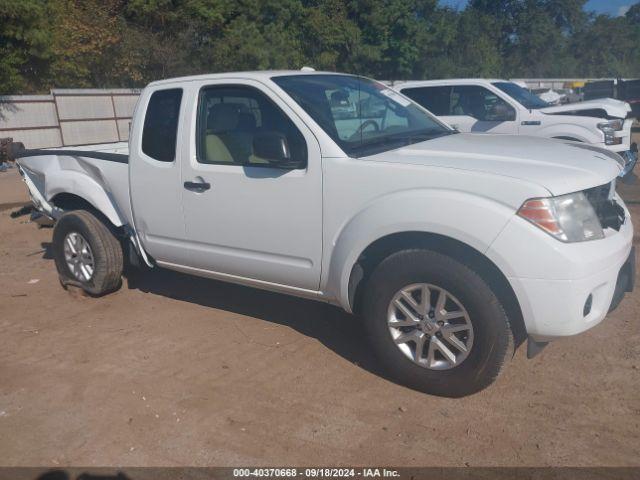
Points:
point(229, 473)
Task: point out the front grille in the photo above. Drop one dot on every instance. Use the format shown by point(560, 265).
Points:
point(597, 195)
point(609, 212)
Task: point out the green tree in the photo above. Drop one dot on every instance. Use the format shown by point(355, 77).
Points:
point(24, 44)
point(256, 35)
point(467, 46)
point(328, 37)
point(394, 34)
point(607, 47)
point(633, 14)
point(108, 43)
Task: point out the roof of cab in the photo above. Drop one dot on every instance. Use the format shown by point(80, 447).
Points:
point(447, 81)
point(256, 75)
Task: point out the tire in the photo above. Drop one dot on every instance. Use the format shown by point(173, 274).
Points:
point(489, 339)
point(104, 252)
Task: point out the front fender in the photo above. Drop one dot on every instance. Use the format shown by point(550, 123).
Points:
point(470, 219)
point(569, 130)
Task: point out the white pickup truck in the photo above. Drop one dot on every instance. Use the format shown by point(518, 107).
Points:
point(503, 107)
point(455, 248)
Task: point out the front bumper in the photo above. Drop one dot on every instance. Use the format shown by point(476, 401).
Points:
point(564, 288)
point(624, 284)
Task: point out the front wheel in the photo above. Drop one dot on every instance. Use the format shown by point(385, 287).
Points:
point(435, 324)
point(87, 254)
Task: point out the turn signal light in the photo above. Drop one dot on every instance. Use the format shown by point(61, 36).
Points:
point(539, 211)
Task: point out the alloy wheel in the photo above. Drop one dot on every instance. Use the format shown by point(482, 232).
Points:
point(79, 257)
point(430, 326)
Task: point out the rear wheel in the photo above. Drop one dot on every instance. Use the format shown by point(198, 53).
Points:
point(87, 254)
point(435, 324)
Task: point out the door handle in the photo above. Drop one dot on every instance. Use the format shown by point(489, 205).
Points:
point(197, 186)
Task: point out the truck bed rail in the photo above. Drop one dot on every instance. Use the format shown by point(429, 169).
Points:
point(111, 157)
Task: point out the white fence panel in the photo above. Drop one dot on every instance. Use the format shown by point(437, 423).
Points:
point(68, 117)
point(35, 138)
point(124, 105)
point(84, 107)
point(87, 132)
point(35, 111)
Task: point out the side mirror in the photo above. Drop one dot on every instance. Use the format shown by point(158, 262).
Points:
point(274, 148)
point(501, 113)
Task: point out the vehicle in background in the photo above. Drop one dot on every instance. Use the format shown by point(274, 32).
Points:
point(574, 91)
point(626, 90)
point(503, 107)
point(8, 149)
point(558, 96)
point(455, 248)
point(550, 96)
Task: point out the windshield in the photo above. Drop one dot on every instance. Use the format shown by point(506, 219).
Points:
point(362, 116)
point(523, 96)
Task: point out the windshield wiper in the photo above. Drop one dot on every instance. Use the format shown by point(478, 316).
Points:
point(415, 137)
point(402, 139)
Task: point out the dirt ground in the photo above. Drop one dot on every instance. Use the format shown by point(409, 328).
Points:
point(173, 370)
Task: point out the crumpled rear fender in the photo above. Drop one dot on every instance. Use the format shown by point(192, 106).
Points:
point(45, 175)
point(87, 188)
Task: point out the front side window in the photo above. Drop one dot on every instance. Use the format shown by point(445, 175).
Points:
point(160, 130)
point(234, 120)
point(362, 116)
point(480, 103)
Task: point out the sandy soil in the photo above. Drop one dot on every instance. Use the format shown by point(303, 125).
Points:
point(173, 370)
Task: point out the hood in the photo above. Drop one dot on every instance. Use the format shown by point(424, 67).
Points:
point(560, 167)
point(612, 107)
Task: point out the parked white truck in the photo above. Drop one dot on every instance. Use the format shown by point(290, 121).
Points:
point(503, 107)
point(453, 247)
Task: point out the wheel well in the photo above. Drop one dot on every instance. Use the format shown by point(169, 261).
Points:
point(69, 201)
point(385, 246)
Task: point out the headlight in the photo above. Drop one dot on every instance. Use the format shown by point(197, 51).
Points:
point(609, 128)
point(569, 218)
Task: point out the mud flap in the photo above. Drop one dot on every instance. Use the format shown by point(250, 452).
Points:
point(626, 280)
point(534, 348)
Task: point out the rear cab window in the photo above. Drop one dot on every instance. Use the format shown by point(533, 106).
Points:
point(160, 131)
point(435, 99)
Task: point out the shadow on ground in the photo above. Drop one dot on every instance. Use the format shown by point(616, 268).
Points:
point(334, 328)
point(331, 326)
point(63, 475)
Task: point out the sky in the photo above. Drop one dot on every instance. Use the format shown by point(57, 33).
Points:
point(611, 7)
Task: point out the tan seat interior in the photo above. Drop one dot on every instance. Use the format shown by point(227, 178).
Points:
point(229, 135)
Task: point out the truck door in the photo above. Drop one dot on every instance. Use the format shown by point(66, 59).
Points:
point(245, 216)
point(154, 174)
